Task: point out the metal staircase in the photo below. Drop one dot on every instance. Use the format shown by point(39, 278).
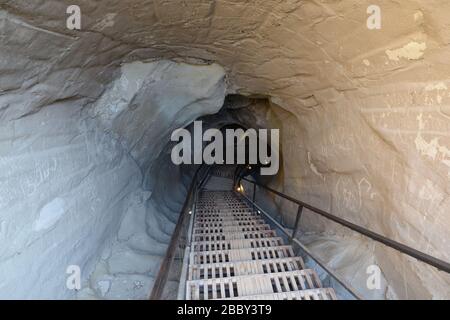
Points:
point(236, 255)
point(222, 248)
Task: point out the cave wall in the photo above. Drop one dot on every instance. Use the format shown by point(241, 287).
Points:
point(142, 108)
point(55, 210)
point(365, 112)
point(73, 191)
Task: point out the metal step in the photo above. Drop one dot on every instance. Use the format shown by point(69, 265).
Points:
point(227, 214)
point(227, 218)
point(199, 237)
point(236, 244)
point(227, 229)
point(242, 268)
point(203, 223)
point(214, 208)
point(241, 254)
point(241, 286)
point(311, 294)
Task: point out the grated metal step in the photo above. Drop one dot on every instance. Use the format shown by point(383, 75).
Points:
point(228, 215)
point(226, 229)
point(241, 254)
point(241, 286)
point(236, 255)
point(199, 237)
point(227, 218)
point(224, 223)
point(311, 294)
point(242, 268)
point(235, 244)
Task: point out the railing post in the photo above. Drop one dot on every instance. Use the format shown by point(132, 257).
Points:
point(297, 221)
point(254, 197)
point(236, 175)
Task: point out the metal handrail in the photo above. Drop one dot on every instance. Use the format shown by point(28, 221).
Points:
point(419, 255)
point(163, 272)
point(308, 252)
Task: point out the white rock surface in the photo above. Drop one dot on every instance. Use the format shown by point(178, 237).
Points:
point(71, 187)
point(50, 214)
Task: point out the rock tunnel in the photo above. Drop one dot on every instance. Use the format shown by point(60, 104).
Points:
point(87, 114)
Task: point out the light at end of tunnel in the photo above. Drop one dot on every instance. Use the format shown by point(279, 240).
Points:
point(190, 211)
